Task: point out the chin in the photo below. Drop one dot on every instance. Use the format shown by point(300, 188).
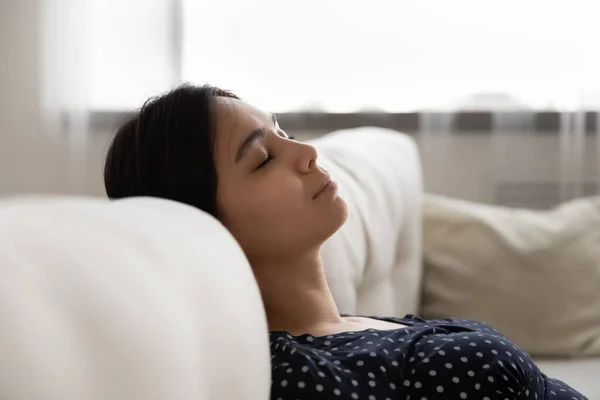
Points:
point(309, 232)
point(337, 216)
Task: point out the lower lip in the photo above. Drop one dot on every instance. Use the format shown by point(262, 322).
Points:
point(331, 186)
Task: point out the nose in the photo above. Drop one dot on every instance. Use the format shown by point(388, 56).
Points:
point(307, 158)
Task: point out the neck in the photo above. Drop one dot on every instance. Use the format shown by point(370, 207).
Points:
point(295, 293)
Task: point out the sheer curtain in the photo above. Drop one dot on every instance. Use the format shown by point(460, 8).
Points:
point(343, 56)
point(65, 65)
point(330, 55)
point(98, 57)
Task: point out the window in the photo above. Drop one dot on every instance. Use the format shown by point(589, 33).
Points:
point(347, 56)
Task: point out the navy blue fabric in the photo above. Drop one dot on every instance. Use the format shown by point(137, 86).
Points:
point(428, 360)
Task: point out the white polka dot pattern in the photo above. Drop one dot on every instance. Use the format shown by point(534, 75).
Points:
point(433, 360)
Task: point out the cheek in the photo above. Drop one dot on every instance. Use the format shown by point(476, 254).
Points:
point(271, 205)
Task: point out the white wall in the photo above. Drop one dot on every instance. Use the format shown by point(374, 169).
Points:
point(30, 160)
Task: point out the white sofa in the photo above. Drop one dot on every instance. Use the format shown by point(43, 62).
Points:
point(151, 299)
point(139, 299)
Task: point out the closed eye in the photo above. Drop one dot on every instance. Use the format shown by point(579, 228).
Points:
point(266, 160)
point(270, 156)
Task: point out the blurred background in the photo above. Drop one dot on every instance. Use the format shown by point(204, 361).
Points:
point(502, 97)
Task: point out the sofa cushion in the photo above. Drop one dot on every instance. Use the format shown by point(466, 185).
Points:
point(533, 275)
point(373, 263)
point(134, 299)
point(581, 374)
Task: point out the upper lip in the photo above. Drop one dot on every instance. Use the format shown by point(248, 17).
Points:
point(326, 180)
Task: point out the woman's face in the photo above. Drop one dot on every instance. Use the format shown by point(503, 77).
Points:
point(270, 186)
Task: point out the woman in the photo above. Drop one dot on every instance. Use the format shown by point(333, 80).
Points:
point(205, 147)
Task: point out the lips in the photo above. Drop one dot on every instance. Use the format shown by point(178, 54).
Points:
point(323, 186)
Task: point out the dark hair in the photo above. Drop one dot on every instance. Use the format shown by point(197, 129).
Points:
point(166, 149)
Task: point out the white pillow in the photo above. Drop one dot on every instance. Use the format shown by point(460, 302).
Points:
point(135, 299)
point(373, 263)
point(533, 275)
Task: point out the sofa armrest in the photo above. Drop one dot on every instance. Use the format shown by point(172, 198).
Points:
point(134, 299)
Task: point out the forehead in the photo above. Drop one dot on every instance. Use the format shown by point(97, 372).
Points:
point(235, 119)
point(236, 116)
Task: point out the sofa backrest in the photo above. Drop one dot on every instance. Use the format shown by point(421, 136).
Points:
point(373, 263)
point(133, 299)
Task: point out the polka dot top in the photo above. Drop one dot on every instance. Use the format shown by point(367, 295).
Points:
point(427, 360)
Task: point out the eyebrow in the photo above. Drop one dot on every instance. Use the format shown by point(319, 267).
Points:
point(254, 136)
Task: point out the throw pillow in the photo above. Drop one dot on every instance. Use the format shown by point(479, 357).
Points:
point(533, 275)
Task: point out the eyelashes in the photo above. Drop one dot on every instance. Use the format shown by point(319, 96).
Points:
point(267, 160)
